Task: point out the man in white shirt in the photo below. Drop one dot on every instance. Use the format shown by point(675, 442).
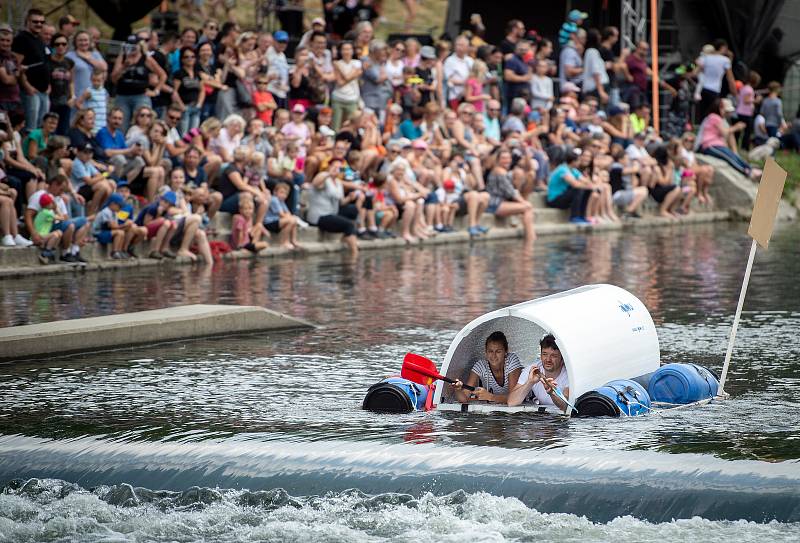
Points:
point(714, 67)
point(456, 71)
point(537, 383)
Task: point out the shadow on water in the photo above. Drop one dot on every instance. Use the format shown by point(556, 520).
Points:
point(289, 392)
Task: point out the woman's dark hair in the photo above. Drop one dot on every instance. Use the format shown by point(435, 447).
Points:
point(186, 49)
point(549, 342)
point(661, 155)
point(715, 105)
point(497, 337)
point(592, 38)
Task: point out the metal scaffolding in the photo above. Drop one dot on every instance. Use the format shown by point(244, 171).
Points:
point(633, 24)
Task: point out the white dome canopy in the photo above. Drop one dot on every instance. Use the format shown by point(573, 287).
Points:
point(603, 331)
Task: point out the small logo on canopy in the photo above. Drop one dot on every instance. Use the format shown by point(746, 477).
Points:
point(626, 308)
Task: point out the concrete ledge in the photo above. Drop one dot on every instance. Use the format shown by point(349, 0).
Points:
point(332, 244)
point(158, 325)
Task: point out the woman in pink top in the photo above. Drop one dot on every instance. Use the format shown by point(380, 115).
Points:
point(718, 138)
point(745, 109)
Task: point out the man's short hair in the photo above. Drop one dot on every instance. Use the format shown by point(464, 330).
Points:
point(512, 24)
point(116, 109)
point(316, 34)
point(518, 106)
point(549, 342)
point(59, 179)
point(32, 12)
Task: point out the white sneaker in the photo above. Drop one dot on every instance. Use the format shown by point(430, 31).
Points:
point(301, 223)
point(22, 242)
point(8, 241)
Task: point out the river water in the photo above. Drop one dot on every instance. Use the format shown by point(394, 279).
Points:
point(261, 437)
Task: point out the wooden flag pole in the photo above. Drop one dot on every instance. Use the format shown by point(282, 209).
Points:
point(762, 222)
point(654, 65)
point(736, 317)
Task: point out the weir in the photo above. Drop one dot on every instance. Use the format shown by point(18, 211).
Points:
point(154, 326)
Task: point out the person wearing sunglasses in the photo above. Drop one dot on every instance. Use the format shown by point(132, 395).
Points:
point(35, 73)
point(188, 91)
point(62, 89)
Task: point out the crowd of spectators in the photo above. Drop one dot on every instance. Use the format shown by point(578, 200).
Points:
point(353, 135)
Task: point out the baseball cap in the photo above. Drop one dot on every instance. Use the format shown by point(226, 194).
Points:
point(86, 147)
point(170, 197)
point(577, 15)
point(299, 108)
point(327, 131)
point(325, 110)
point(318, 21)
point(5, 27)
point(404, 142)
point(281, 36)
point(569, 86)
point(419, 144)
point(428, 52)
point(615, 110)
point(115, 198)
point(728, 105)
point(45, 199)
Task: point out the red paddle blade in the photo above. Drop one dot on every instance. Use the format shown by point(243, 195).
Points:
point(419, 369)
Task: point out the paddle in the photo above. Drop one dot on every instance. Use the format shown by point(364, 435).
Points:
point(557, 392)
point(421, 370)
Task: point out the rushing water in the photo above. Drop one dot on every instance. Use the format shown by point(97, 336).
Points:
point(261, 437)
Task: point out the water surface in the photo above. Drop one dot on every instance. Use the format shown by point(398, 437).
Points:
point(240, 416)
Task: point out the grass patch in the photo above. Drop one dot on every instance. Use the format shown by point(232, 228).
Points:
point(430, 16)
point(789, 161)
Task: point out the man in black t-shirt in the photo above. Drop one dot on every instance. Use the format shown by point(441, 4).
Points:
point(515, 31)
point(169, 42)
point(35, 81)
point(608, 40)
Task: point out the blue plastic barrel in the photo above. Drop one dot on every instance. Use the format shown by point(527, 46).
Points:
point(682, 384)
point(396, 395)
point(621, 397)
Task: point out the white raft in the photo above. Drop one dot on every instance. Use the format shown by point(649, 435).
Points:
point(604, 333)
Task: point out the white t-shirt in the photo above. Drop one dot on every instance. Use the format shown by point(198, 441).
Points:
point(394, 71)
point(593, 64)
point(538, 392)
point(173, 136)
point(458, 68)
point(541, 92)
point(714, 68)
point(636, 153)
point(33, 203)
point(350, 91)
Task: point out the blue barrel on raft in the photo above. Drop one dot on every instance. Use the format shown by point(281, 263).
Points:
point(395, 395)
point(618, 398)
point(682, 384)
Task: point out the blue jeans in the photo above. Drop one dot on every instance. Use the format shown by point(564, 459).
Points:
point(36, 105)
point(726, 154)
point(190, 119)
point(129, 103)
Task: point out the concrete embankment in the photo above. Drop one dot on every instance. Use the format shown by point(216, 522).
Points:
point(733, 195)
point(158, 325)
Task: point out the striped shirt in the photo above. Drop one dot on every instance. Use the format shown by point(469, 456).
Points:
point(487, 380)
point(98, 102)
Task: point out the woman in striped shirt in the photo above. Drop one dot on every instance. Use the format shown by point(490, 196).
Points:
point(495, 375)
